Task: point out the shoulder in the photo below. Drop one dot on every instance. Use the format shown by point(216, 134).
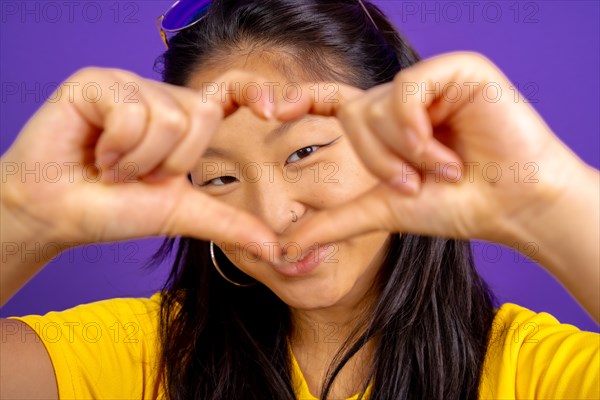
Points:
point(518, 329)
point(514, 324)
point(104, 349)
point(532, 354)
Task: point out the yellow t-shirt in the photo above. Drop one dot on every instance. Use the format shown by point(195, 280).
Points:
point(109, 350)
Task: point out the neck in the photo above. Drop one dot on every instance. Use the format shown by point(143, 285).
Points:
point(325, 328)
point(318, 335)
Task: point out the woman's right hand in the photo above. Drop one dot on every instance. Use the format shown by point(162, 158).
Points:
point(145, 136)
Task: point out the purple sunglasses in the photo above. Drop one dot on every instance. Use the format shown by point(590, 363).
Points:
point(182, 14)
point(185, 13)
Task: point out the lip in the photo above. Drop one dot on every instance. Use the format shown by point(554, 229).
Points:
point(304, 266)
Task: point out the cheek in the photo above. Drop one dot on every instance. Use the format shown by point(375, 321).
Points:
point(335, 182)
point(366, 251)
point(351, 172)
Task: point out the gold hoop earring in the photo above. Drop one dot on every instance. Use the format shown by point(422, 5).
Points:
point(216, 265)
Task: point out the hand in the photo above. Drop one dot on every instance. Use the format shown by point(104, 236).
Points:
point(473, 160)
point(153, 136)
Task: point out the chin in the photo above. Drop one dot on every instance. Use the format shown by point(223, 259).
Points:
point(312, 293)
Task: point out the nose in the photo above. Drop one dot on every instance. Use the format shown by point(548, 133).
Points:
point(276, 203)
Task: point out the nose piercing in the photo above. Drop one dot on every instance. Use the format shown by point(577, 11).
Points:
point(294, 216)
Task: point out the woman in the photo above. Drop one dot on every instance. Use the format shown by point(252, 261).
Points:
point(323, 244)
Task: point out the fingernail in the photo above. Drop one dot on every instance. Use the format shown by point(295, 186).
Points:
point(413, 140)
point(269, 110)
point(107, 160)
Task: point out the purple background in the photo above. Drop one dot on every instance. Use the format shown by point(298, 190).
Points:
point(550, 49)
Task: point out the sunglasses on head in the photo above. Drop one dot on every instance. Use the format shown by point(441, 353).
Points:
point(181, 15)
point(185, 13)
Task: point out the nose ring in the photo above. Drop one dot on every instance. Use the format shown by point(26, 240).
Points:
point(294, 216)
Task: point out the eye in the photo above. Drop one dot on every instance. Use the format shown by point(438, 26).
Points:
point(302, 153)
point(307, 151)
point(220, 181)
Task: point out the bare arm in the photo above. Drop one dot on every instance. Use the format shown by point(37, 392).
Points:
point(25, 368)
point(20, 242)
point(567, 231)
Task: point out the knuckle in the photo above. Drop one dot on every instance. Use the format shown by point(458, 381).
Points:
point(173, 120)
point(400, 77)
point(132, 110)
point(123, 127)
point(207, 110)
point(347, 112)
point(86, 72)
point(406, 78)
point(87, 75)
point(375, 113)
point(123, 73)
point(174, 166)
point(474, 56)
point(99, 73)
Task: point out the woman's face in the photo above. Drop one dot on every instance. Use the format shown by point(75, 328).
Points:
point(256, 166)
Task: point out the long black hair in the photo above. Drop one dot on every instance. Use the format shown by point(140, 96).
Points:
point(433, 312)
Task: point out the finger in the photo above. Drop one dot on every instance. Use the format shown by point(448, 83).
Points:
point(375, 154)
point(325, 99)
point(417, 90)
point(423, 155)
point(379, 118)
point(127, 129)
point(203, 119)
point(203, 217)
point(374, 108)
point(185, 155)
point(168, 124)
point(124, 128)
point(122, 123)
point(378, 158)
point(138, 129)
point(236, 88)
point(383, 128)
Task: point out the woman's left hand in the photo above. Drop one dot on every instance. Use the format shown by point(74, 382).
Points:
point(458, 150)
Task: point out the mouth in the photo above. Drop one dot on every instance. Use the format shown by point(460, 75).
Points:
point(304, 265)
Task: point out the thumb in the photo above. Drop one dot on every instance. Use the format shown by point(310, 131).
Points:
point(203, 217)
point(367, 213)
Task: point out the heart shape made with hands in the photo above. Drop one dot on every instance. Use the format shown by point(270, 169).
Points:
point(407, 139)
point(415, 143)
point(400, 181)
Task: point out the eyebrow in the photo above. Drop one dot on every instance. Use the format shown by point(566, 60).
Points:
point(279, 131)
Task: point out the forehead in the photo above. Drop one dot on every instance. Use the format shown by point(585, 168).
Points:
point(281, 70)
